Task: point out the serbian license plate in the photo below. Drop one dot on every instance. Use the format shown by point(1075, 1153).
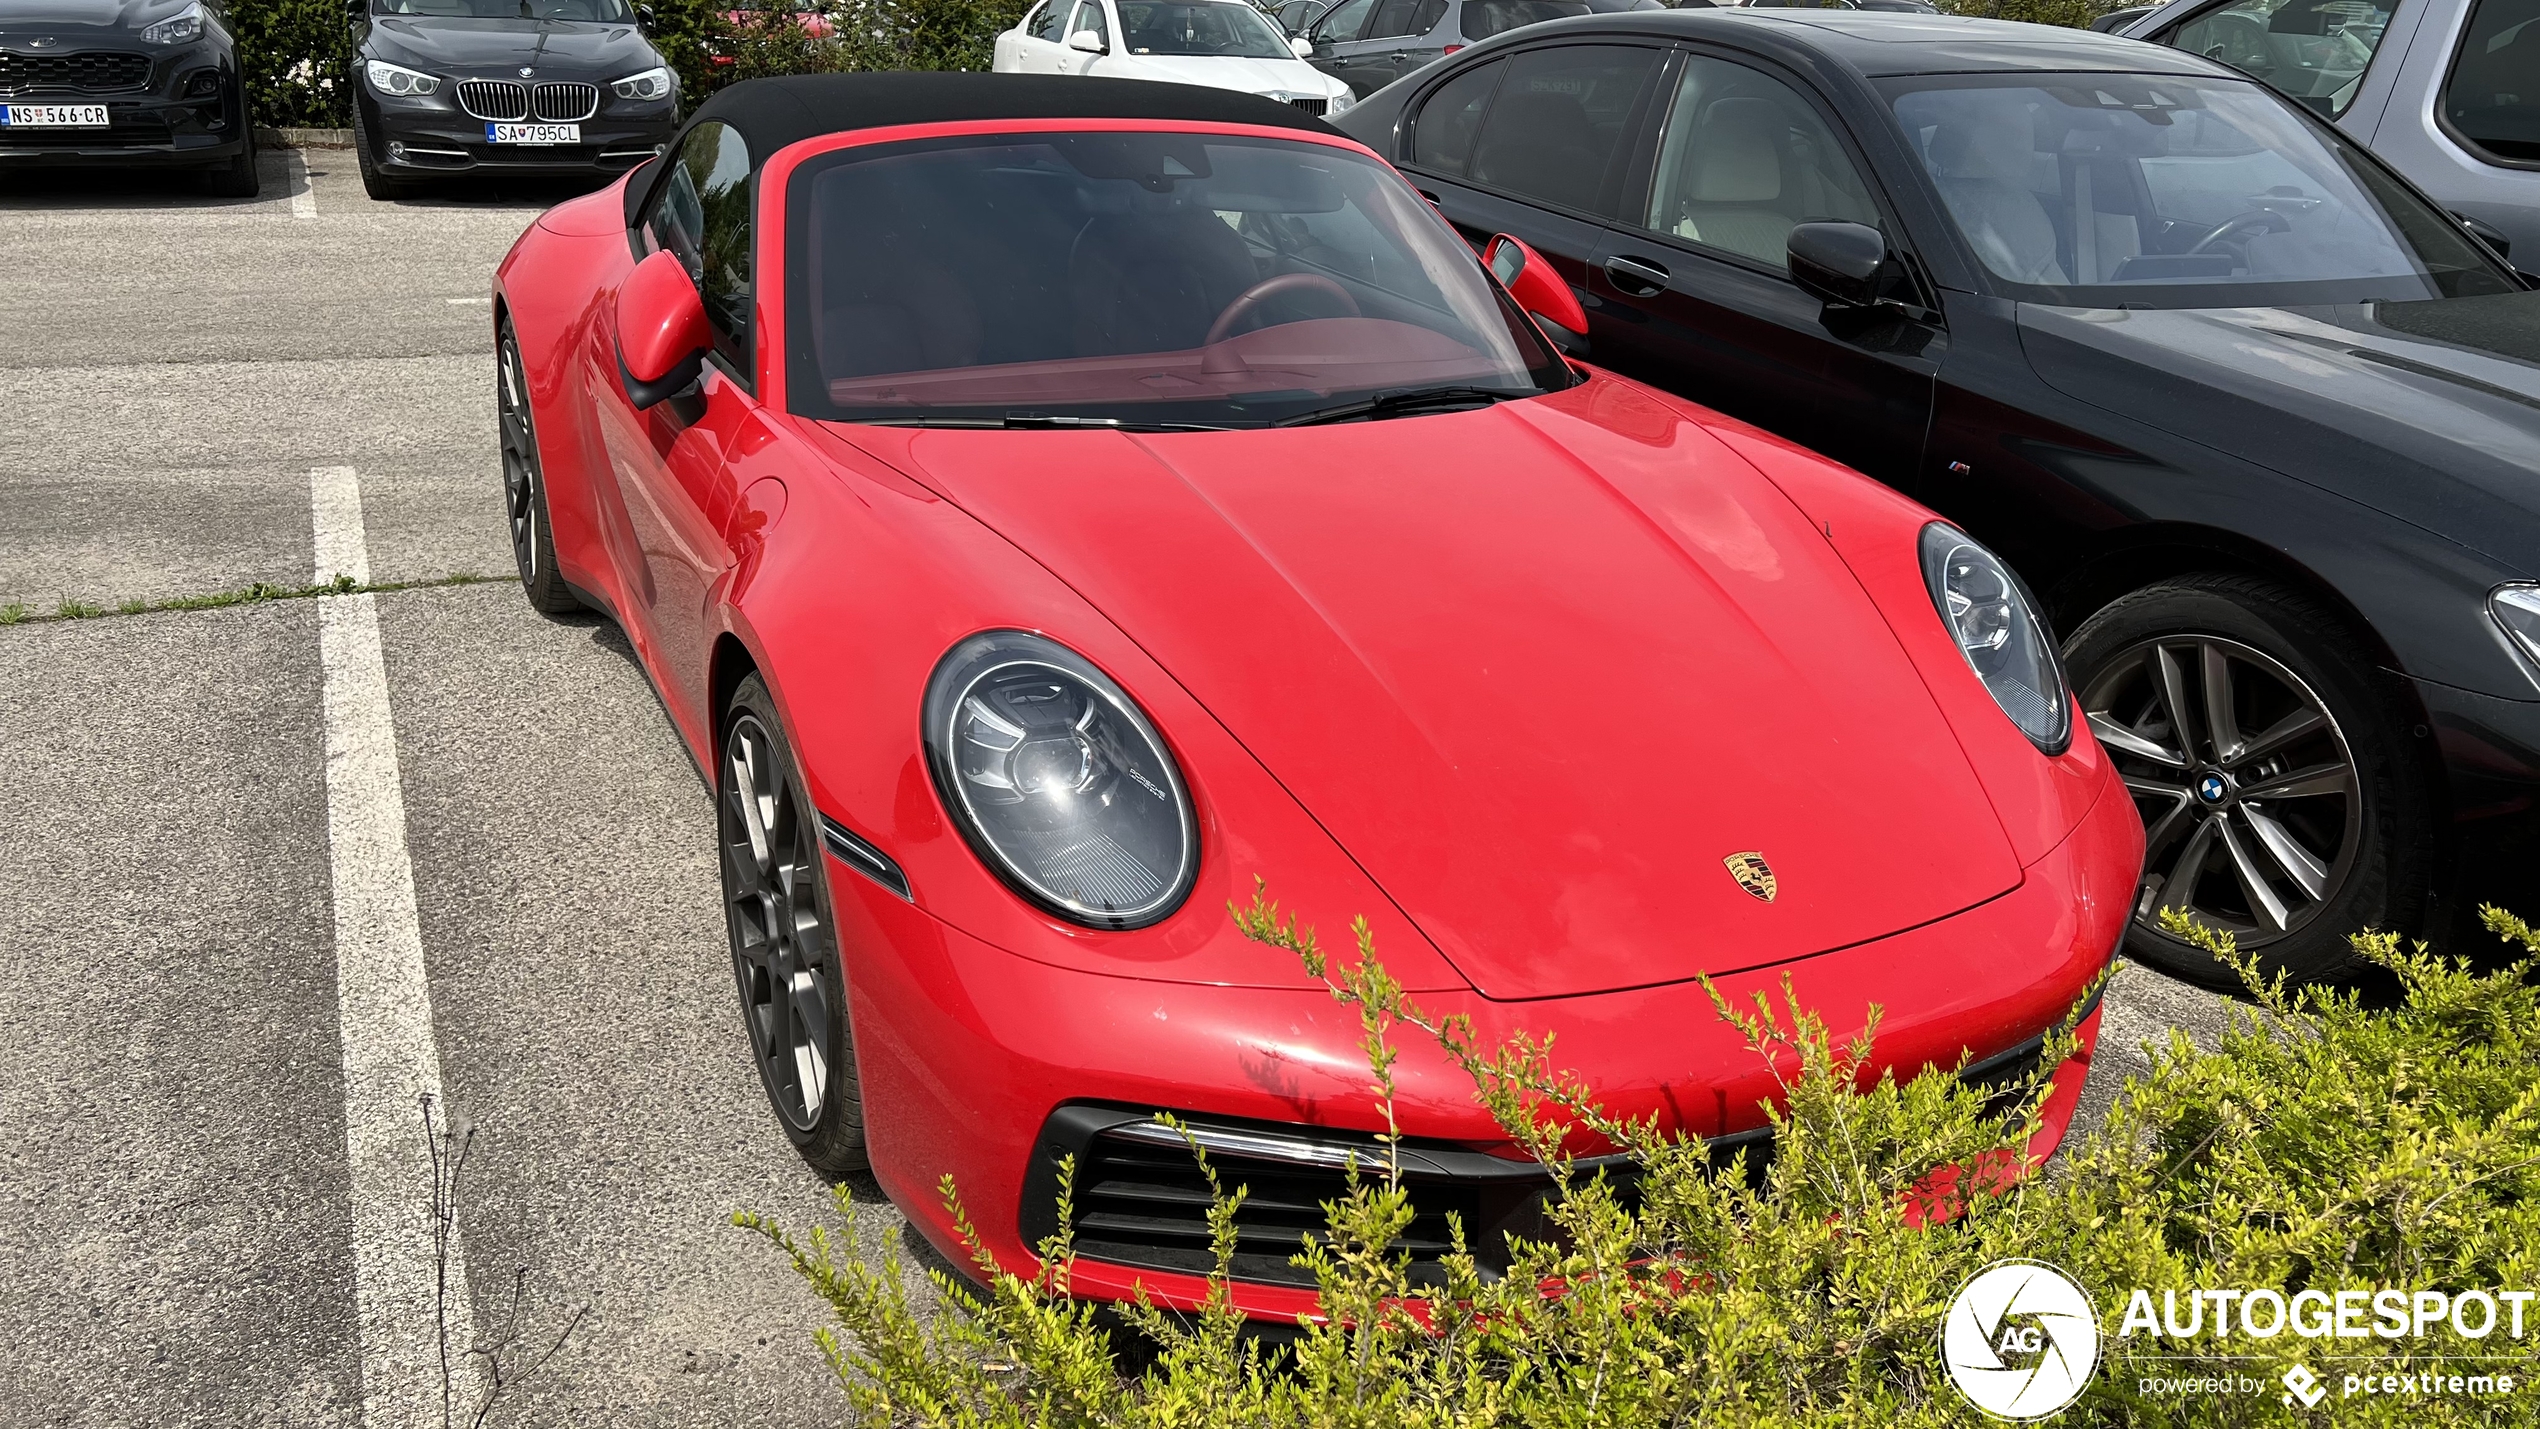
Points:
point(533, 133)
point(53, 116)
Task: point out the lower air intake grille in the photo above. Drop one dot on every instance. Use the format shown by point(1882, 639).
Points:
point(1141, 1200)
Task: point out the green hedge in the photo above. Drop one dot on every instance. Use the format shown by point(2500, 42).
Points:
point(297, 55)
point(2324, 1145)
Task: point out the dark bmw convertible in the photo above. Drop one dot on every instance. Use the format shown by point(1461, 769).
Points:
point(2259, 422)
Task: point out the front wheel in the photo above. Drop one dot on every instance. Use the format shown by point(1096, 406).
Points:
point(2280, 799)
point(374, 183)
point(784, 940)
point(525, 484)
point(237, 178)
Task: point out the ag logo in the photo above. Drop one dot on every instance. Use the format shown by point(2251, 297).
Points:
point(1753, 874)
point(2020, 1340)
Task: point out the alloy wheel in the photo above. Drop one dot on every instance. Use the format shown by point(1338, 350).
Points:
point(2251, 800)
point(782, 949)
point(520, 461)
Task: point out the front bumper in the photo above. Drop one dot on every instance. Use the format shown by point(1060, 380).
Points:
point(413, 139)
point(2490, 749)
point(966, 1052)
point(183, 112)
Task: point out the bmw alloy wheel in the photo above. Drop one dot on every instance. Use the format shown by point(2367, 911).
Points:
point(2248, 790)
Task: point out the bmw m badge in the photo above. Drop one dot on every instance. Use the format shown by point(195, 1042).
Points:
point(1753, 874)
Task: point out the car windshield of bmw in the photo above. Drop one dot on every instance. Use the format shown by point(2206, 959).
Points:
point(2101, 190)
point(1139, 278)
point(602, 12)
point(1209, 27)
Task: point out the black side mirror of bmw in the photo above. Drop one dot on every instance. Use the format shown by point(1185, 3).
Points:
point(644, 16)
point(1838, 263)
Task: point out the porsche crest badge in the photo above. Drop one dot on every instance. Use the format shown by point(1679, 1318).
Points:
point(1753, 874)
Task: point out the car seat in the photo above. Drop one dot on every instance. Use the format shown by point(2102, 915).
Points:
point(1153, 282)
point(1735, 197)
point(1982, 166)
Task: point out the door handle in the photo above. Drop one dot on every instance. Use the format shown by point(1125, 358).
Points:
point(1637, 277)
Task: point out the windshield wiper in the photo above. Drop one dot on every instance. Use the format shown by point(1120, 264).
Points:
point(1404, 404)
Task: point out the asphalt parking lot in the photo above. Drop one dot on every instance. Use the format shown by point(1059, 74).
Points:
point(183, 1228)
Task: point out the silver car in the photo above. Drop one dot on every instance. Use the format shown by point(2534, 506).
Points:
point(2448, 91)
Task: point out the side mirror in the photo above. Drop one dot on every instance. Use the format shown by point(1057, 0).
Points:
point(1538, 290)
point(645, 17)
point(1838, 263)
point(2488, 234)
point(357, 10)
point(1088, 41)
point(662, 335)
point(1301, 47)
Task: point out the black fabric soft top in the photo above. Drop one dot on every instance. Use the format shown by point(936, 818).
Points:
point(772, 113)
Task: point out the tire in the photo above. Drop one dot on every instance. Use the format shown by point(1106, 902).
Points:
point(525, 484)
point(785, 958)
point(237, 178)
point(2306, 820)
point(374, 183)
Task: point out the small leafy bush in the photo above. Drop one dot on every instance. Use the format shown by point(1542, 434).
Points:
point(2324, 1144)
point(297, 57)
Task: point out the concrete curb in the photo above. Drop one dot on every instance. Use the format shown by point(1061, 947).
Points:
point(304, 138)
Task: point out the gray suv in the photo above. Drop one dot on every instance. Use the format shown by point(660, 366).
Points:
point(2446, 91)
point(1368, 44)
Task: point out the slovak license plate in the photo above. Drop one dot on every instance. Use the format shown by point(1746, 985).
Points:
point(53, 116)
point(533, 133)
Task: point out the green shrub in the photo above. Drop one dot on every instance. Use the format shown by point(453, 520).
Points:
point(2073, 14)
point(2323, 1144)
point(297, 58)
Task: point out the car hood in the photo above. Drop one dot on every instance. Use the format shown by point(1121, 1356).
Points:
point(1252, 76)
point(46, 17)
point(2425, 411)
point(556, 49)
point(1541, 669)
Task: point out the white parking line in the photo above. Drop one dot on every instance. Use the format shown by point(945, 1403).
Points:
point(303, 193)
point(383, 1004)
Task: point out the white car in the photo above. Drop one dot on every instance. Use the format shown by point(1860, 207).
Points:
point(1224, 44)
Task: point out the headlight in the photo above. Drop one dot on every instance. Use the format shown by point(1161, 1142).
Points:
point(1338, 103)
point(182, 28)
point(1999, 631)
point(399, 80)
point(1059, 781)
point(2517, 608)
point(651, 84)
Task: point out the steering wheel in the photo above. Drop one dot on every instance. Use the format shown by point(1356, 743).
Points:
point(2256, 220)
point(2241, 42)
point(1267, 289)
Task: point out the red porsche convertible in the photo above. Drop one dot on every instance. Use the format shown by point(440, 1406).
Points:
point(1046, 505)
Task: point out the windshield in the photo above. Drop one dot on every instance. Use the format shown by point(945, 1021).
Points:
point(1207, 27)
point(609, 12)
point(2163, 191)
point(1140, 277)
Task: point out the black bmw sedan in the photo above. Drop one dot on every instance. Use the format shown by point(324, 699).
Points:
point(2260, 423)
point(121, 83)
point(446, 88)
